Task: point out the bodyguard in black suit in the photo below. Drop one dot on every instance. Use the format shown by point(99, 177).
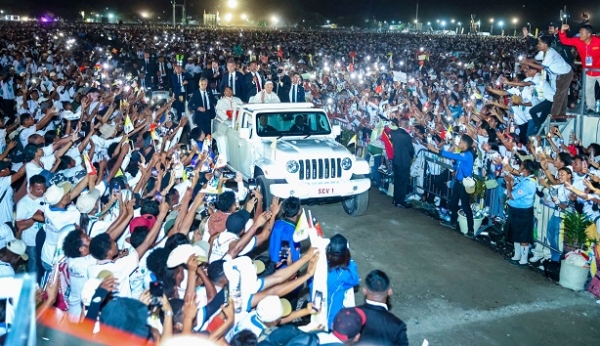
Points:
point(213, 73)
point(180, 80)
point(382, 327)
point(233, 79)
point(283, 83)
point(148, 66)
point(203, 103)
point(404, 151)
point(254, 81)
point(297, 93)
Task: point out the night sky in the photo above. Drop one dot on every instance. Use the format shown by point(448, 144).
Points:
point(539, 13)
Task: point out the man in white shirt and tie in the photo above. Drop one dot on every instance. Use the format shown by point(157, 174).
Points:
point(266, 95)
point(254, 81)
point(226, 105)
point(202, 104)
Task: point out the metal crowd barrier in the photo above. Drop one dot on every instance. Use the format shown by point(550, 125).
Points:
point(431, 175)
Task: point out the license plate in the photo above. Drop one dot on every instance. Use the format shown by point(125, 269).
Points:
point(325, 191)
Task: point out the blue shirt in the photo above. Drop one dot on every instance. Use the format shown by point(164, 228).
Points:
point(283, 230)
point(338, 282)
point(523, 193)
point(456, 111)
point(463, 163)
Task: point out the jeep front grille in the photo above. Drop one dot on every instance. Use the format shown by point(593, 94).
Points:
point(318, 169)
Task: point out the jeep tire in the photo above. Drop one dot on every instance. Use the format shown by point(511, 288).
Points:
point(357, 204)
point(264, 185)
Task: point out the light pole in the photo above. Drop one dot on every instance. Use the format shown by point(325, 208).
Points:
point(515, 26)
point(492, 26)
point(438, 23)
point(443, 24)
point(529, 27)
point(458, 28)
point(501, 23)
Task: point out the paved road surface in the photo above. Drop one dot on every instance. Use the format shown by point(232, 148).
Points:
point(451, 290)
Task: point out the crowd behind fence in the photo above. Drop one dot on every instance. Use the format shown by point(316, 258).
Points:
point(431, 179)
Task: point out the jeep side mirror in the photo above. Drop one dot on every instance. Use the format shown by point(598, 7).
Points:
point(336, 130)
point(244, 133)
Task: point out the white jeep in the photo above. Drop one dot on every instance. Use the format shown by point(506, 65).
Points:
point(289, 149)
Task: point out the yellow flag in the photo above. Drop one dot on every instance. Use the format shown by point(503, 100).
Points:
point(128, 125)
point(302, 227)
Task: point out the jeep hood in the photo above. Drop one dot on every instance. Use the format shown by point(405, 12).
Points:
point(311, 148)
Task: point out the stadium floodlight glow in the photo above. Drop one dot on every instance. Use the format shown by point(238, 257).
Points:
point(244, 16)
point(144, 14)
point(274, 19)
point(514, 20)
point(110, 15)
point(452, 21)
point(491, 20)
point(232, 3)
point(228, 17)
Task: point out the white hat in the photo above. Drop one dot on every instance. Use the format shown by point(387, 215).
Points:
point(55, 193)
point(271, 308)
point(18, 247)
point(107, 130)
point(249, 280)
point(87, 201)
point(52, 74)
point(469, 184)
point(182, 253)
point(268, 82)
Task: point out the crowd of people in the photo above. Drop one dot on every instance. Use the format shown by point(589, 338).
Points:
point(110, 191)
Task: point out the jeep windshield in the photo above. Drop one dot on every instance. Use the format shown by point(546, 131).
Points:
point(282, 124)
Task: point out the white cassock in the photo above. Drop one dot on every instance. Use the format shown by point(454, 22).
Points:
point(264, 97)
point(226, 104)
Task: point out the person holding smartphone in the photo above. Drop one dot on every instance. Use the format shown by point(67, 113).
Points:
point(282, 249)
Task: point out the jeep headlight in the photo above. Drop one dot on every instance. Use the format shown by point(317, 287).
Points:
point(292, 166)
point(346, 163)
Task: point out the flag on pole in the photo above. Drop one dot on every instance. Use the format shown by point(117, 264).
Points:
point(274, 148)
point(302, 227)
point(89, 167)
point(128, 125)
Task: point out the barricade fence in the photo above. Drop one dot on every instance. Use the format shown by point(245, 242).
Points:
point(430, 183)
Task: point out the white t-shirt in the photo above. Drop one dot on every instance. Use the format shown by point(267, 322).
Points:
point(6, 270)
point(26, 208)
point(78, 270)
point(553, 62)
point(56, 219)
point(7, 203)
point(121, 268)
point(221, 244)
point(250, 322)
point(6, 235)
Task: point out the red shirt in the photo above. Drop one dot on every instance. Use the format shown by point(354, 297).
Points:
point(585, 50)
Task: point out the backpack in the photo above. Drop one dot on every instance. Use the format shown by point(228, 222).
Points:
point(287, 335)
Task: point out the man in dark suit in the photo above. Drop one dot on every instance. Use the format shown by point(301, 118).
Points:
point(299, 125)
point(163, 72)
point(179, 80)
point(283, 83)
point(254, 81)
point(382, 328)
point(263, 125)
point(297, 93)
point(148, 67)
point(403, 155)
point(233, 79)
point(202, 103)
point(213, 73)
